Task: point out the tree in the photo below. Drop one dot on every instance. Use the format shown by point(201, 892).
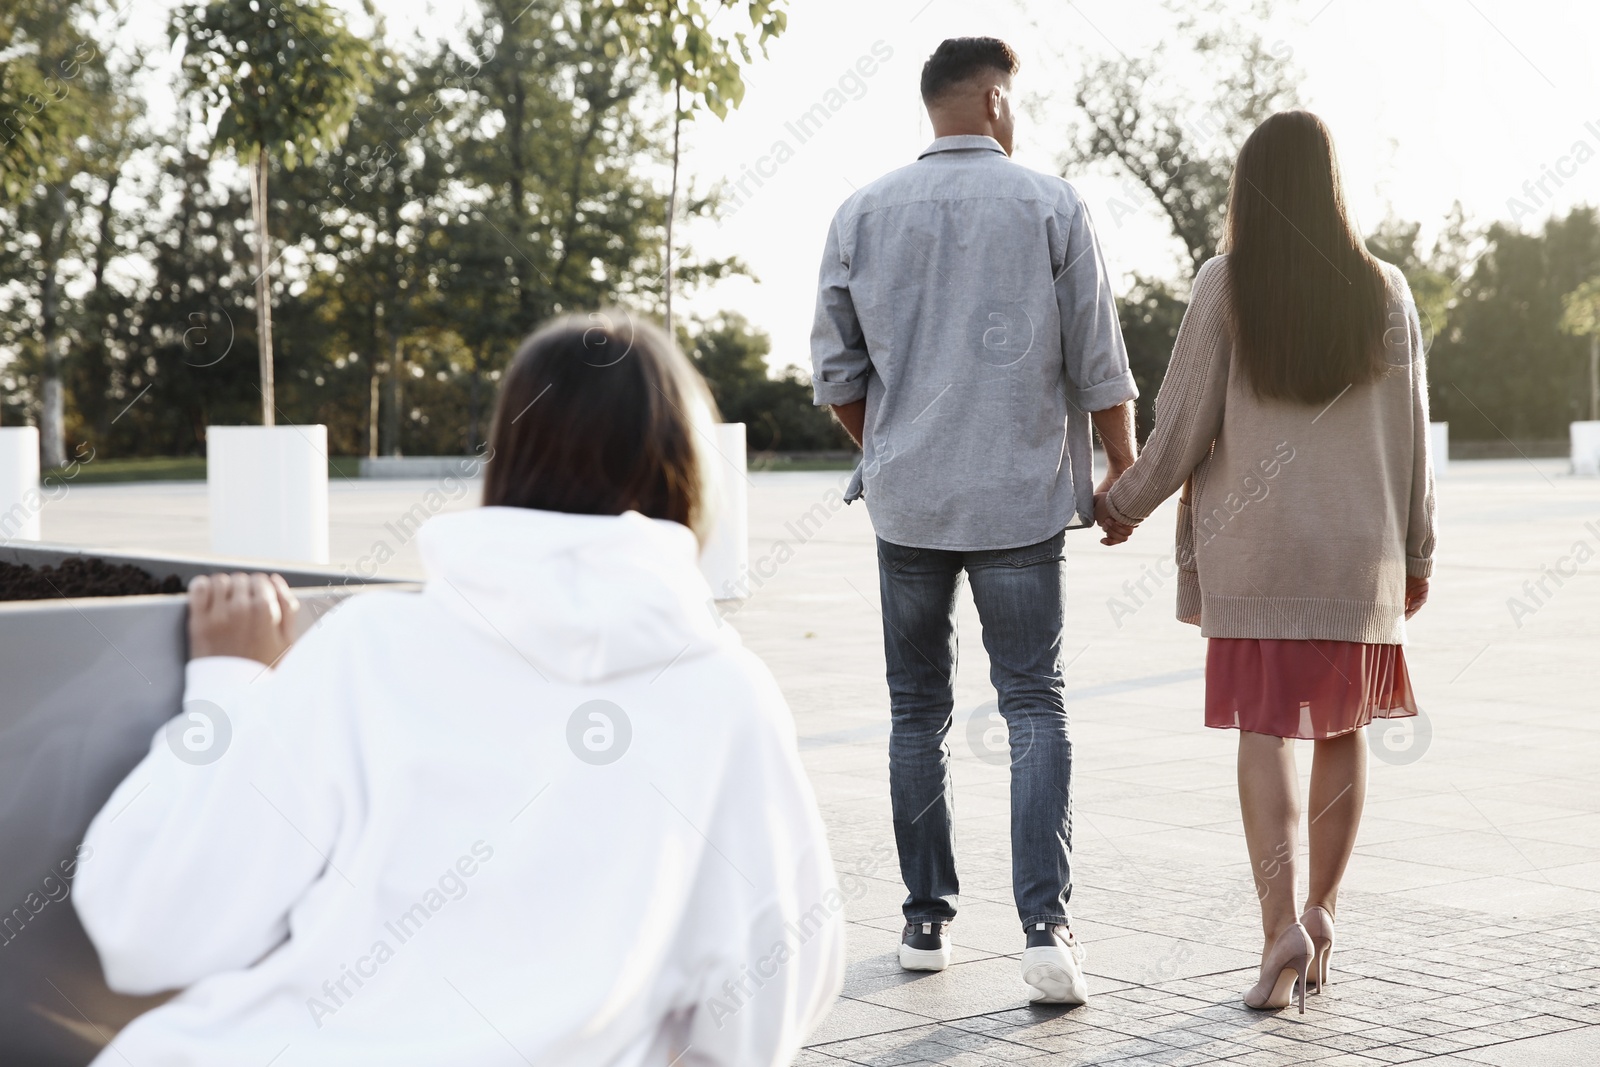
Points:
point(675, 39)
point(187, 340)
point(1150, 314)
point(285, 79)
point(1144, 116)
point(1432, 289)
point(1502, 367)
point(365, 215)
point(66, 100)
point(776, 410)
point(43, 54)
point(1581, 317)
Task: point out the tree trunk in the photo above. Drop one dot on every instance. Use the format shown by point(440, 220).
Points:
point(672, 197)
point(392, 421)
point(258, 209)
point(474, 401)
point(52, 420)
point(373, 410)
point(514, 136)
point(103, 368)
point(52, 404)
point(1594, 377)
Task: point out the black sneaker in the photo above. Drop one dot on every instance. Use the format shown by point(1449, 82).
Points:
point(924, 947)
point(1052, 965)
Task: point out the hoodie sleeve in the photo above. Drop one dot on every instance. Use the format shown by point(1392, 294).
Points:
point(769, 910)
point(194, 863)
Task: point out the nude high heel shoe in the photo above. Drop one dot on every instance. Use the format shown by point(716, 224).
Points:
point(1288, 960)
point(1319, 925)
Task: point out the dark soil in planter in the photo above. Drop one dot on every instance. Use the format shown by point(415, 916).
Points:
point(81, 576)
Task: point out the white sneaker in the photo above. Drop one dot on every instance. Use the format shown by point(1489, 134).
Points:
point(924, 947)
point(1052, 966)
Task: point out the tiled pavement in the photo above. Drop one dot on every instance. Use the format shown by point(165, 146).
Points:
point(1470, 929)
point(1469, 932)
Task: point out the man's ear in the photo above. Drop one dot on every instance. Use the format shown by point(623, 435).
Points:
point(994, 103)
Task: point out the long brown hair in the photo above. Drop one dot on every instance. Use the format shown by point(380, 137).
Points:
point(597, 416)
point(1308, 298)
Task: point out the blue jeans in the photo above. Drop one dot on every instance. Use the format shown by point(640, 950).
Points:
point(1019, 596)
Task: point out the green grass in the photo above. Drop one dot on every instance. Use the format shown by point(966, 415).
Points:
point(193, 468)
point(167, 469)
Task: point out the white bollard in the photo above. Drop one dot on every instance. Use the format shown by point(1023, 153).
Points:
point(269, 491)
point(725, 561)
point(1439, 434)
point(1586, 449)
point(20, 502)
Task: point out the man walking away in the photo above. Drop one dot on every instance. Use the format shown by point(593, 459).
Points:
point(966, 336)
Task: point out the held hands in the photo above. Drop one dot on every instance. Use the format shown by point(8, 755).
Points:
point(1115, 532)
point(1416, 595)
point(247, 615)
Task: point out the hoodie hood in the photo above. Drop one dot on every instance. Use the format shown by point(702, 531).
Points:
point(583, 598)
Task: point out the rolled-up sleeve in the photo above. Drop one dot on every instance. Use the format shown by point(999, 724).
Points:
point(839, 361)
point(1097, 374)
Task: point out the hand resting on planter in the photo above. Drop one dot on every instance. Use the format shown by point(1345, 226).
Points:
point(246, 615)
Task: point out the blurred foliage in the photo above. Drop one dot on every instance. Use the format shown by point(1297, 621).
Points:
point(776, 409)
point(674, 38)
point(481, 184)
point(281, 78)
point(283, 81)
point(517, 171)
point(1502, 366)
point(1177, 135)
point(1580, 309)
point(1150, 312)
point(48, 103)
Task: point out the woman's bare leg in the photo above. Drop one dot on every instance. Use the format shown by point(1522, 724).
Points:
point(1338, 793)
point(1269, 800)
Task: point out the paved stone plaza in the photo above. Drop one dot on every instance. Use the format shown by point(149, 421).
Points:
point(1469, 932)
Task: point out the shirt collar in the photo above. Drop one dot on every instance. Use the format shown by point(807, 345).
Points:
point(963, 142)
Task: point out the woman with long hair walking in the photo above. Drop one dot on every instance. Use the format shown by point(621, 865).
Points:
point(1294, 414)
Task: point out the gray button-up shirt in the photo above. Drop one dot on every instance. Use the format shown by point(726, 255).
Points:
point(965, 297)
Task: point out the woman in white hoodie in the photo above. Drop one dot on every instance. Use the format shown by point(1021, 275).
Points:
point(547, 811)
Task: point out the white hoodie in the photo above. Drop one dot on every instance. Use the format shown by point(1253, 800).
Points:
point(414, 851)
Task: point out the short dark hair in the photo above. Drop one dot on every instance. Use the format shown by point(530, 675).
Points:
point(597, 416)
point(960, 58)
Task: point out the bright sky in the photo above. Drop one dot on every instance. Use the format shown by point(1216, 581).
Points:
point(1430, 101)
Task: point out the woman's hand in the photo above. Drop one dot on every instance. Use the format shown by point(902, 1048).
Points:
point(1115, 532)
point(1416, 595)
point(247, 615)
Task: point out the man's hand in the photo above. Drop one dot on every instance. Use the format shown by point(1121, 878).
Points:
point(853, 417)
point(1115, 532)
point(1416, 595)
point(246, 615)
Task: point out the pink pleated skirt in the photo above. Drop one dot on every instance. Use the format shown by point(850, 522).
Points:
point(1304, 689)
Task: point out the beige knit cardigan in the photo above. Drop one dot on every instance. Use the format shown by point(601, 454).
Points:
point(1298, 521)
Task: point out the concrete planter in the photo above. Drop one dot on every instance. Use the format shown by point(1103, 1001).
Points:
point(1439, 432)
point(269, 492)
point(725, 561)
point(1586, 449)
point(20, 502)
point(85, 682)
